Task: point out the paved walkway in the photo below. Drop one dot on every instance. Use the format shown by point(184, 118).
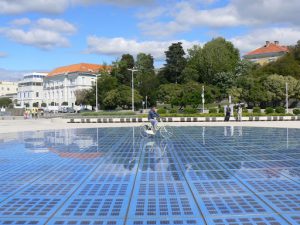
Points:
point(7, 126)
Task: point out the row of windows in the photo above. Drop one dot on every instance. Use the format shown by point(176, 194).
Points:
point(34, 76)
point(28, 94)
point(7, 89)
point(30, 84)
point(58, 94)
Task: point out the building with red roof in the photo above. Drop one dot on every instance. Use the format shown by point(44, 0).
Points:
point(268, 53)
point(61, 84)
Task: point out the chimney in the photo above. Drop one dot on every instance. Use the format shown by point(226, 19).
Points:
point(267, 43)
point(276, 42)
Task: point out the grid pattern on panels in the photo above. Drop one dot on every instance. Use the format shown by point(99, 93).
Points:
point(113, 176)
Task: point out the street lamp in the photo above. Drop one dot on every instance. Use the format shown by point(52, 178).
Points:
point(287, 97)
point(132, 87)
point(203, 100)
point(96, 108)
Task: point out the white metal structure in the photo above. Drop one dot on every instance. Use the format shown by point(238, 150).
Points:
point(147, 130)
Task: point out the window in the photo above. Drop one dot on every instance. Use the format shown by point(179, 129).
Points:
point(37, 94)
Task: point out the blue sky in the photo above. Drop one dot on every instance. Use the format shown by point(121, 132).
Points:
point(40, 35)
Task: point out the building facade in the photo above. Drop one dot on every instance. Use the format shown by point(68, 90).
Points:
point(268, 53)
point(8, 88)
point(30, 90)
point(61, 85)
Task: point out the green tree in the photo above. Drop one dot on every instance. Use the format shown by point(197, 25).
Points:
point(219, 56)
point(169, 93)
point(5, 102)
point(120, 69)
point(83, 97)
point(175, 63)
point(145, 63)
point(275, 86)
point(189, 74)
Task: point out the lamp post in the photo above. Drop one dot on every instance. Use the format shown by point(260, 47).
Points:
point(132, 87)
point(203, 100)
point(96, 108)
point(287, 97)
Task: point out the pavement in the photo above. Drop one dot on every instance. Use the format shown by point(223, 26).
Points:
point(9, 126)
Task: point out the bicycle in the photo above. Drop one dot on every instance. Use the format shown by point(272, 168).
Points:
point(147, 130)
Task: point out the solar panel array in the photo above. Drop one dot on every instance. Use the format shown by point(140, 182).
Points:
point(216, 175)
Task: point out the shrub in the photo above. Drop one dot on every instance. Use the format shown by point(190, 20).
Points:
point(256, 110)
point(190, 110)
point(43, 104)
point(269, 110)
point(296, 111)
point(245, 110)
point(213, 110)
point(221, 110)
point(161, 111)
point(280, 109)
point(173, 111)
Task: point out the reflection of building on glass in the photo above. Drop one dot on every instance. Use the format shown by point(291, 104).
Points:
point(35, 142)
point(73, 143)
point(79, 143)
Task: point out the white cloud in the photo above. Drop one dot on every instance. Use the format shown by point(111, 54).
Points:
point(43, 6)
point(56, 25)
point(11, 75)
point(44, 33)
point(258, 37)
point(40, 38)
point(116, 2)
point(3, 54)
point(58, 6)
point(20, 22)
point(187, 15)
point(119, 46)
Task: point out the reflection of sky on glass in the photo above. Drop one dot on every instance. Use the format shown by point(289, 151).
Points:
point(114, 176)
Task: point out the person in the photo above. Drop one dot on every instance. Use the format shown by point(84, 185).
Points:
point(227, 115)
point(152, 117)
point(239, 112)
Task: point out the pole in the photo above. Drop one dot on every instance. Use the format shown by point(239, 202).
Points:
point(132, 91)
point(286, 97)
point(132, 87)
point(96, 108)
point(203, 100)
point(146, 102)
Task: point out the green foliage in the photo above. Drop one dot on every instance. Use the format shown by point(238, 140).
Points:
point(213, 110)
point(35, 104)
point(269, 110)
point(219, 56)
point(189, 74)
point(175, 63)
point(189, 110)
point(244, 110)
point(120, 69)
point(4, 102)
point(144, 62)
point(280, 109)
point(296, 111)
point(221, 109)
point(173, 111)
point(44, 104)
point(256, 110)
point(161, 111)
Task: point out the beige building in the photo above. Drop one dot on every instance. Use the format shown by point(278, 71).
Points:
point(8, 88)
point(268, 53)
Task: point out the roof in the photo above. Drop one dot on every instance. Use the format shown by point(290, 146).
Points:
point(268, 48)
point(80, 67)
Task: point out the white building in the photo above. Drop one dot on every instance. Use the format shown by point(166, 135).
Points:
point(8, 88)
point(30, 90)
point(62, 83)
